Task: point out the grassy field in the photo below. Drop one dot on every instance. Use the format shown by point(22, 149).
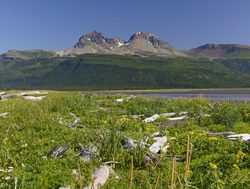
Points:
point(192, 160)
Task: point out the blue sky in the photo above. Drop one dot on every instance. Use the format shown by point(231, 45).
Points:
point(58, 24)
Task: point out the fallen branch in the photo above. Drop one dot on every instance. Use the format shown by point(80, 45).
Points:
point(177, 118)
point(34, 98)
point(58, 152)
point(219, 133)
point(244, 137)
point(183, 115)
point(26, 95)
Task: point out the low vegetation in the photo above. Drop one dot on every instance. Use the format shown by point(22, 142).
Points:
point(96, 71)
point(193, 159)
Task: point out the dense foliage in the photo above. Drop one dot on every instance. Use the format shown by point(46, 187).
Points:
point(32, 129)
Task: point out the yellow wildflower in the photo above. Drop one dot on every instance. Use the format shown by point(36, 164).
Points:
point(212, 138)
point(202, 134)
point(213, 166)
point(240, 154)
point(171, 138)
point(219, 181)
point(236, 166)
point(104, 122)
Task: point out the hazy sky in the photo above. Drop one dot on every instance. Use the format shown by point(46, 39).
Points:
point(58, 24)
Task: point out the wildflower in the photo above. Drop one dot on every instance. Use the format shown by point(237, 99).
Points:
point(104, 122)
point(236, 166)
point(240, 154)
point(219, 181)
point(171, 138)
point(202, 134)
point(213, 166)
point(212, 138)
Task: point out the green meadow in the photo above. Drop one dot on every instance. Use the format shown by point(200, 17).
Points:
point(193, 159)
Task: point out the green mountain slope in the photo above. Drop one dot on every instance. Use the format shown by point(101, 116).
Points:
point(95, 71)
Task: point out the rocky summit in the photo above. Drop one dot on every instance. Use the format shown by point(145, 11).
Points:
point(140, 43)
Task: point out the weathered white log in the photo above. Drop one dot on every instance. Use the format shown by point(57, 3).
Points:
point(177, 118)
point(158, 144)
point(152, 118)
point(27, 93)
point(219, 133)
point(119, 100)
point(4, 114)
point(244, 137)
point(183, 113)
point(168, 114)
point(34, 98)
point(14, 95)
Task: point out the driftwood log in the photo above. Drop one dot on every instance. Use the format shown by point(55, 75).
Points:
point(29, 95)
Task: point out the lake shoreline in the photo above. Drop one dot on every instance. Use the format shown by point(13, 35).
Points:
point(228, 94)
point(184, 91)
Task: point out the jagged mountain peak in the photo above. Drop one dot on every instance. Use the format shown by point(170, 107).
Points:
point(144, 35)
point(142, 42)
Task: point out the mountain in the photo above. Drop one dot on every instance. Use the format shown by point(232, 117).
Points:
point(221, 51)
point(28, 54)
point(144, 61)
point(140, 43)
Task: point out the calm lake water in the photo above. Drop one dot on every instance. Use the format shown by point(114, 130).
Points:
point(237, 95)
point(217, 97)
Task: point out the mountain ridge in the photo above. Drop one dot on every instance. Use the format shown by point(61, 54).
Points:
point(139, 44)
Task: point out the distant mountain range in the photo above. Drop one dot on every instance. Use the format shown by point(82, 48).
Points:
point(144, 61)
point(140, 44)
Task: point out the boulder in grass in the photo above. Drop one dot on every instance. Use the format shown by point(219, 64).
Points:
point(100, 177)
